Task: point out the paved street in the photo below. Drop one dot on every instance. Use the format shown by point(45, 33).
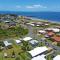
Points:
point(33, 35)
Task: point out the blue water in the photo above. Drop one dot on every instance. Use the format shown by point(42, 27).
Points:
point(53, 16)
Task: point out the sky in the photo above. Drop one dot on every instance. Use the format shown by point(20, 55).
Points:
point(30, 5)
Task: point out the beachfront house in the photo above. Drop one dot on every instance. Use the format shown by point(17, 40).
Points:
point(7, 44)
point(27, 38)
point(57, 57)
point(38, 51)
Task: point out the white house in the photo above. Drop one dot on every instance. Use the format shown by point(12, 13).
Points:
point(53, 29)
point(33, 42)
point(38, 50)
point(27, 38)
point(5, 55)
point(57, 57)
point(30, 24)
point(40, 57)
point(46, 24)
point(18, 41)
point(56, 30)
point(42, 31)
point(6, 43)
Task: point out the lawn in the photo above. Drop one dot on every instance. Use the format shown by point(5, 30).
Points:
point(23, 55)
point(12, 32)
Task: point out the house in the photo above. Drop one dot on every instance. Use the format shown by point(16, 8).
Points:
point(56, 30)
point(18, 41)
point(51, 33)
point(6, 21)
point(53, 29)
point(40, 57)
point(31, 23)
point(12, 24)
point(5, 55)
point(48, 29)
point(27, 38)
point(7, 44)
point(56, 38)
point(57, 57)
point(46, 24)
point(39, 24)
point(46, 36)
point(42, 31)
point(33, 42)
point(38, 51)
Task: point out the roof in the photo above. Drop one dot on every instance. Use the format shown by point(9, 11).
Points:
point(42, 31)
point(56, 30)
point(57, 57)
point(27, 38)
point(18, 41)
point(5, 54)
point(50, 33)
point(53, 29)
point(7, 43)
point(39, 58)
point(56, 38)
point(38, 50)
point(33, 41)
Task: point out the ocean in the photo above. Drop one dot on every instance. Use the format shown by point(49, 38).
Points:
point(50, 16)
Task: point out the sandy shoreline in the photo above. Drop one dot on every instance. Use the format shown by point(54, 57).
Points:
point(43, 20)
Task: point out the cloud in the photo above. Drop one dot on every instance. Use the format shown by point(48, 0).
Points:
point(36, 6)
point(18, 6)
point(29, 7)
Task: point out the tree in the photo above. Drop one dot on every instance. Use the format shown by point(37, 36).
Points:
point(25, 46)
point(17, 58)
point(13, 54)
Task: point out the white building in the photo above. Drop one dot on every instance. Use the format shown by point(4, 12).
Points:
point(27, 38)
point(18, 41)
point(6, 43)
point(57, 57)
point(33, 42)
point(56, 30)
point(40, 57)
point(38, 50)
point(5, 55)
point(42, 31)
point(53, 29)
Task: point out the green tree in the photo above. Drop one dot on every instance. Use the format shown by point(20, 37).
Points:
point(17, 58)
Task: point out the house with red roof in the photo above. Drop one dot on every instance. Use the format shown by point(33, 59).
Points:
point(56, 38)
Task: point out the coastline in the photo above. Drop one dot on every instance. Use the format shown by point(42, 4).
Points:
point(37, 19)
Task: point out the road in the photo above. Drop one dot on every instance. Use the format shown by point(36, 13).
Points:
point(33, 35)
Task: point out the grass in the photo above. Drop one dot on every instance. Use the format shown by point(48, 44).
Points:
point(16, 48)
point(49, 57)
point(12, 32)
